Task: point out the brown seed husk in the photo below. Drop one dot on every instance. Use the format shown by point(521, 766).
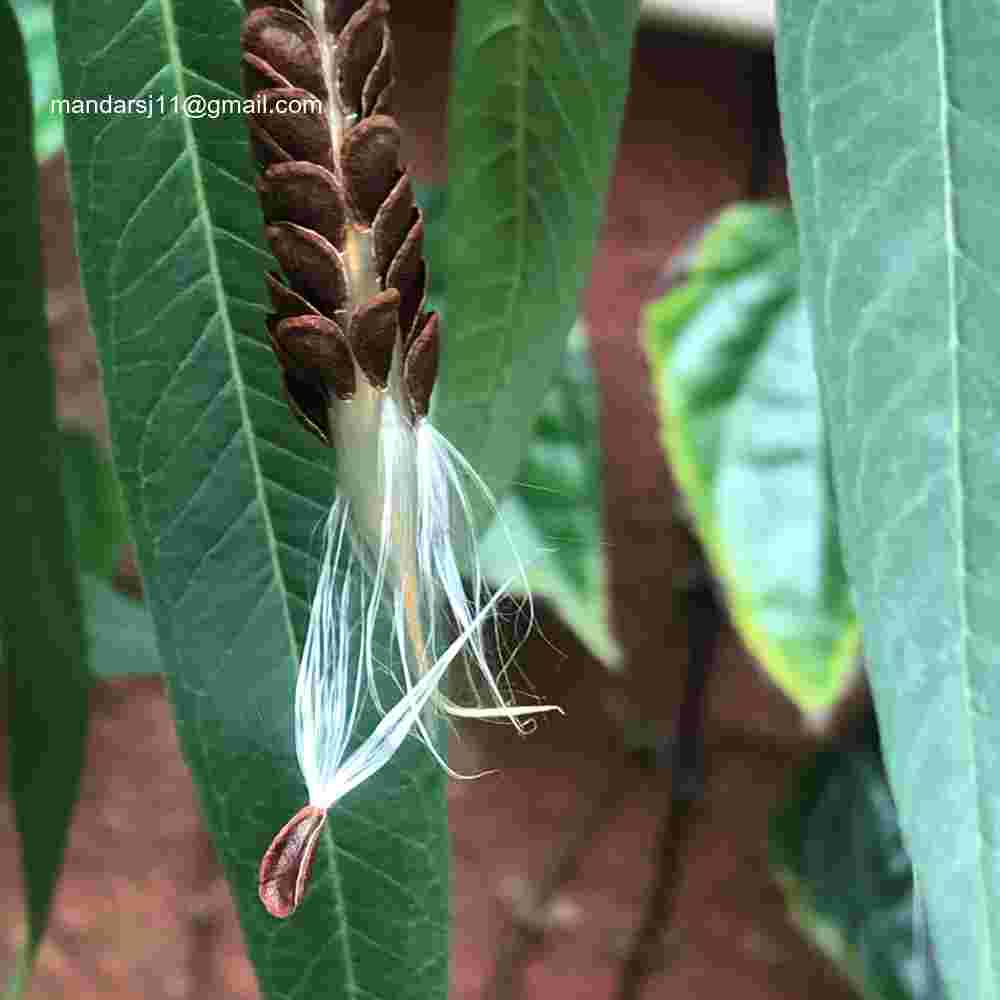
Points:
point(321, 203)
point(306, 194)
point(316, 344)
point(369, 155)
point(373, 334)
point(421, 364)
point(313, 265)
point(287, 864)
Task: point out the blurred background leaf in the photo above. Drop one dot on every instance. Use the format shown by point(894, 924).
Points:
point(554, 512)
point(119, 627)
point(35, 18)
point(837, 850)
point(730, 347)
point(120, 630)
point(44, 643)
point(538, 92)
point(93, 503)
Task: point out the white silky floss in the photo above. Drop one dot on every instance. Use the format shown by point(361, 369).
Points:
point(394, 537)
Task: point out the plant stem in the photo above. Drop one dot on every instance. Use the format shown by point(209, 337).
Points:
point(686, 762)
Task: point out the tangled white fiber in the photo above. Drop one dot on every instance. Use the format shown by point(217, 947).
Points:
point(397, 538)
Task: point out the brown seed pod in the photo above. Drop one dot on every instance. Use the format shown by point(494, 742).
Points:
point(339, 209)
point(287, 864)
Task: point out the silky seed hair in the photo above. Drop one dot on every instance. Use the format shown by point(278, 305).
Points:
point(358, 351)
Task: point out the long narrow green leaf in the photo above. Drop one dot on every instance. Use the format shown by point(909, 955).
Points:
point(225, 493)
point(537, 100)
point(40, 613)
point(892, 117)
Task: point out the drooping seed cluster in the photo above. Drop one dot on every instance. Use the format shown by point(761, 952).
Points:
point(340, 213)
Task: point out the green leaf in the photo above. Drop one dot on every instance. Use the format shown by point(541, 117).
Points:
point(838, 852)
point(554, 513)
point(890, 112)
point(537, 98)
point(93, 503)
point(122, 640)
point(40, 615)
point(225, 493)
point(121, 633)
point(731, 354)
point(35, 18)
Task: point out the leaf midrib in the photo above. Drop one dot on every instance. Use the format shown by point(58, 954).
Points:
point(202, 209)
point(958, 478)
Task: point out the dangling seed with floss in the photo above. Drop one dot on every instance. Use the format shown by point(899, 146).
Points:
point(287, 864)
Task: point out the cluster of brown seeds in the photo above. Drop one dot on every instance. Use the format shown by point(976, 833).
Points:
point(340, 213)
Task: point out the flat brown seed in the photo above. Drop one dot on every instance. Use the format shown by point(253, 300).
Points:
point(306, 194)
point(285, 301)
point(287, 44)
point(259, 75)
point(392, 222)
point(370, 160)
point(309, 402)
point(265, 149)
point(316, 344)
point(358, 49)
point(383, 103)
point(312, 265)
point(379, 79)
point(373, 333)
point(421, 364)
point(287, 864)
point(407, 272)
point(304, 134)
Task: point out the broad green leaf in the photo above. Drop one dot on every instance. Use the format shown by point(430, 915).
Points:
point(731, 354)
point(837, 850)
point(40, 613)
point(93, 504)
point(891, 114)
point(537, 98)
point(554, 511)
point(35, 18)
point(225, 493)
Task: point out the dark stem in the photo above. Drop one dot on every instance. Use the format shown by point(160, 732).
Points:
point(686, 759)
